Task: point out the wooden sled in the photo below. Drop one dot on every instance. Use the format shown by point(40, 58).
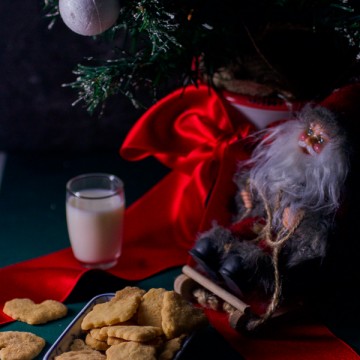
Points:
point(242, 316)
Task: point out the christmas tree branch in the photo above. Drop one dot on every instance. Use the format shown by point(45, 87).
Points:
point(163, 39)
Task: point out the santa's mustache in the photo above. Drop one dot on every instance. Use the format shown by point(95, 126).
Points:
point(307, 148)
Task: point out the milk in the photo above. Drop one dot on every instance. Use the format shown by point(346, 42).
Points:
point(95, 226)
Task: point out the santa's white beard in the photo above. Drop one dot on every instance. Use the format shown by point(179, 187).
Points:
point(309, 182)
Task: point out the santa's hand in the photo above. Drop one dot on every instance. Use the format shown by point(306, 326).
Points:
point(288, 218)
point(246, 198)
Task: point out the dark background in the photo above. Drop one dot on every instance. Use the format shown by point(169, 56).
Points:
point(36, 111)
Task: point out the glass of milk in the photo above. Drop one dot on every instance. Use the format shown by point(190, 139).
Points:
point(95, 213)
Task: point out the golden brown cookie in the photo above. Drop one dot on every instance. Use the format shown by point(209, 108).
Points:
point(149, 312)
point(81, 355)
point(79, 344)
point(95, 333)
point(27, 311)
point(132, 332)
point(96, 344)
point(120, 308)
point(179, 316)
point(18, 345)
point(131, 350)
point(171, 347)
point(114, 341)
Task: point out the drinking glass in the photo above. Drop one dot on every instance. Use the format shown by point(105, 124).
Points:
point(95, 206)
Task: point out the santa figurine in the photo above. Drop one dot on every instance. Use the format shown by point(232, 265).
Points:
point(288, 194)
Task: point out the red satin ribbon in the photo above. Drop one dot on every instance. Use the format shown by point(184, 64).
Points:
point(190, 132)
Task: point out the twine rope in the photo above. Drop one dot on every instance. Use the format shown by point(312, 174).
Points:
point(276, 244)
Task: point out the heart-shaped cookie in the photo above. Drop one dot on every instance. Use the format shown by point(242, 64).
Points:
point(27, 311)
point(19, 345)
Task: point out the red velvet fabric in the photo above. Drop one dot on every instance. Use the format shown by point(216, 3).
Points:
point(298, 339)
point(191, 132)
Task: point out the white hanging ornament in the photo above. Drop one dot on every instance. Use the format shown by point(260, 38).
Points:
point(89, 17)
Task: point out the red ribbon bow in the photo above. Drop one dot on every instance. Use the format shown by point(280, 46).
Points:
point(190, 132)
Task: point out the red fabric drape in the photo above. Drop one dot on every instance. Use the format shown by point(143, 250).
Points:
point(298, 339)
point(190, 132)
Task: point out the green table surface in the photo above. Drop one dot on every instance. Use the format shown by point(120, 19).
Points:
point(33, 223)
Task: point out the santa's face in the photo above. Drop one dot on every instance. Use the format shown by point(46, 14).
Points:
point(304, 160)
point(313, 139)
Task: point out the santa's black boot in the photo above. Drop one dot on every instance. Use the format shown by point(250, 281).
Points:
point(234, 275)
point(206, 255)
point(246, 268)
point(208, 250)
